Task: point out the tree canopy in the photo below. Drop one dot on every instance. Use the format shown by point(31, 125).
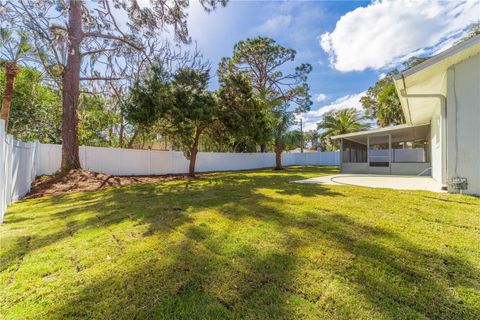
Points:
point(35, 107)
point(242, 113)
point(381, 101)
point(193, 110)
point(261, 70)
point(36, 112)
point(179, 104)
point(78, 42)
point(264, 63)
point(13, 48)
point(340, 122)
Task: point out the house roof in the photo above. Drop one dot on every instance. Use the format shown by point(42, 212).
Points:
point(401, 132)
point(429, 77)
point(453, 51)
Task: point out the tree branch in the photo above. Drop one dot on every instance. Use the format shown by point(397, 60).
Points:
point(113, 37)
point(98, 51)
point(57, 27)
point(100, 78)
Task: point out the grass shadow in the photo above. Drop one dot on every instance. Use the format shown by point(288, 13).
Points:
point(238, 245)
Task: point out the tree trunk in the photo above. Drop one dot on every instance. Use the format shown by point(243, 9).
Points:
point(120, 133)
point(11, 71)
point(71, 89)
point(278, 157)
point(132, 140)
point(110, 135)
point(193, 153)
point(263, 148)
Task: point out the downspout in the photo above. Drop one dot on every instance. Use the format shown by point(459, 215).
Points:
point(443, 124)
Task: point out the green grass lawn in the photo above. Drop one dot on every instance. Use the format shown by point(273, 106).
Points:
point(250, 245)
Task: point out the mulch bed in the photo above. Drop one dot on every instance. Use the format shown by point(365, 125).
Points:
point(83, 180)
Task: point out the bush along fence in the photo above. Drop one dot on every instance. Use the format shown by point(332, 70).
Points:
point(21, 162)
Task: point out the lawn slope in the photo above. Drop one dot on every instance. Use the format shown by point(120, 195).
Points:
point(250, 245)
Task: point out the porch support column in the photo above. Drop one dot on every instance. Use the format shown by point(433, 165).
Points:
point(368, 151)
point(390, 153)
point(341, 154)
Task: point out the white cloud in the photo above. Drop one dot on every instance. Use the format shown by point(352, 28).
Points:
point(311, 118)
point(387, 31)
point(275, 24)
point(319, 97)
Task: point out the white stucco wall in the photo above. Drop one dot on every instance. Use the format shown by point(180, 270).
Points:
point(463, 122)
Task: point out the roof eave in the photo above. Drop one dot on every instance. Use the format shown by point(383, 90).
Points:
point(384, 130)
point(399, 86)
point(399, 79)
point(438, 57)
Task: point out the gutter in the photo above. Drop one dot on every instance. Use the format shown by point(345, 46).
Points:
point(443, 124)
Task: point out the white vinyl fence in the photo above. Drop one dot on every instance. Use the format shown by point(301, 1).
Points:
point(21, 162)
point(124, 162)
point(17, 168)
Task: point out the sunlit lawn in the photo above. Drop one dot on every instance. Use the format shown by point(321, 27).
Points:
point(242, 245)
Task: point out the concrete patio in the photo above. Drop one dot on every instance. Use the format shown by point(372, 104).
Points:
point(379, 181)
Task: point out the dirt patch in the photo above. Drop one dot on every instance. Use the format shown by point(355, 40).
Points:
point(83, 180)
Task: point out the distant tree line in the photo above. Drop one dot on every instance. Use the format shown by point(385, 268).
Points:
point(74, 74)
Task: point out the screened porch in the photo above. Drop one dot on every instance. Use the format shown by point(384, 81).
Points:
point(399, 150)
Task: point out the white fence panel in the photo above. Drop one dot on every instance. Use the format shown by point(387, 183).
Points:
point(17, 168)
point(167, 162)
point(288, 159)
point(330, 158)
point(218, 161)
point(49, 158)
point(139, 163)
point(148, 162)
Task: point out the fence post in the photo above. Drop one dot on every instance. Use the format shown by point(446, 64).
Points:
point(9, 167)
point(34, 154)
point(36, 158)
point(3, 171)
point(149, 161)
point(84, 148)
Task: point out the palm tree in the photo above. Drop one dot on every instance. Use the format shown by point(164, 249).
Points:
point(340, 122)
point(313, 139)
point(12, 49)
point(282, 120)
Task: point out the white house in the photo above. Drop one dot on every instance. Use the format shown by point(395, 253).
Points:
point(441, 102)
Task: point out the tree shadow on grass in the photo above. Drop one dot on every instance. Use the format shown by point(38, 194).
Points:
point(474, 201)
point(158, 205)
point(404, 280)
point(198, 271)
point(194, 279)
point(199, 281)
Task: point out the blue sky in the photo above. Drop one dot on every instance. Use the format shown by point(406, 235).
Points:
point(350, 44)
